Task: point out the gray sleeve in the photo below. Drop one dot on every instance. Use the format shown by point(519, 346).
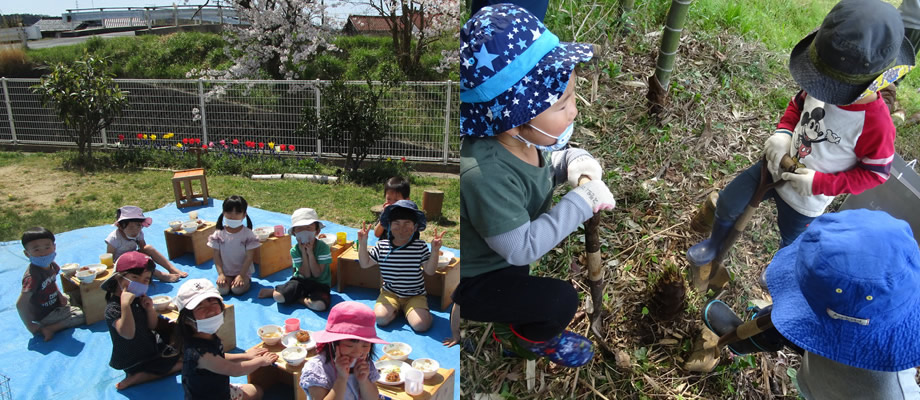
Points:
point(561, 160)
point(527, 243)
point(910, 13)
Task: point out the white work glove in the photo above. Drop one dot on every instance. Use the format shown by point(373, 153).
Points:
point(583, 165)
point(774, 149)
point(801, 180)
point(597, 195)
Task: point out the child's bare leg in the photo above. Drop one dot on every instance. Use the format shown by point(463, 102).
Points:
point(163, 262)
point(49, 330)
point(242, 288)
point(142, 377)
point(385, 313)
point(454, 326)
point(269, 292)
point(251, 392)
point(315, 305)
point(164, 277)
point(419, 319)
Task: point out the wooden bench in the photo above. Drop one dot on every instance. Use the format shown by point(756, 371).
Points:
point(183, 191)
point(179, 243)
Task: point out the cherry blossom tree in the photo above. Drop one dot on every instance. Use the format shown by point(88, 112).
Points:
point(416, 24)
point(280, 36)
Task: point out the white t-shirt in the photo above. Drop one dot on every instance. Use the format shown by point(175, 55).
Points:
point(233, 248)
point(122, 244)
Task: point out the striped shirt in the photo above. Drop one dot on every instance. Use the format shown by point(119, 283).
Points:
point(400, 267)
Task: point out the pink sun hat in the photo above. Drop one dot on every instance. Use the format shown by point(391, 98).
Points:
point(350, 320)
point(132, 212)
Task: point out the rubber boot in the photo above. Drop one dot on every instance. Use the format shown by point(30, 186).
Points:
point(567, 349)
point(721, 320)
point(704, 252)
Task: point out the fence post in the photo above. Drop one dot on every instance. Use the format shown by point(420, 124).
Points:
point(319, 142)
point(204, 121)
point(447, 119)
point(175, 15)
point(105, 141)
point(9, 108)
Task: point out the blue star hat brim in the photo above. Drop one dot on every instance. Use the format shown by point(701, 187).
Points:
point(512, 69)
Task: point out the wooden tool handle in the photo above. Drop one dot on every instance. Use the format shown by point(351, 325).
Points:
point(788, 164)
point(583, 180)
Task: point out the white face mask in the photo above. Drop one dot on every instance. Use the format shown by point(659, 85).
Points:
point(305, 236)
point(233, 223)
point(210, 325)
point(561, 141)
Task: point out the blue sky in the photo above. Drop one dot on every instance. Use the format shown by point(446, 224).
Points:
point(338, 9)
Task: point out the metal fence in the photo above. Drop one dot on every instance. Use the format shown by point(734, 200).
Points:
point(423, 116)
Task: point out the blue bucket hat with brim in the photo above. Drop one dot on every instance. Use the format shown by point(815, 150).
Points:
point(848, 289)
point(859, 49)
point(405, 208)
point(511, 69)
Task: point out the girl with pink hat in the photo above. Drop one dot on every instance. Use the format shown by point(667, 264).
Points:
point(346, 348)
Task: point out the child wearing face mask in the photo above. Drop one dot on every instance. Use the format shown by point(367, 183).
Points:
point(137, 349)
point(517, 110)
point(234, 247)
point(344, 367)
point(129, 221)
point(206, 369)
point(402, 257)
point(312, 280)
point(41, 305)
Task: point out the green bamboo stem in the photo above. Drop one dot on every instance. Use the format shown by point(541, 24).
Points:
point(670, 40)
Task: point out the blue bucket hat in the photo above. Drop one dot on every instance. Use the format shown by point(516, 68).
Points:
point(847, 290)
point(399, 207)
point(512, 68)
point(859, 49)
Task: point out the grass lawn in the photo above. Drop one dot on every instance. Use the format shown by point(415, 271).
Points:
point(37, 191)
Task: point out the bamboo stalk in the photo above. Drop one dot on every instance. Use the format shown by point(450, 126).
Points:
point(670, 40)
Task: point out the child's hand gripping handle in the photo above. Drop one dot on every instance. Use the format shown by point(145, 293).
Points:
point(595, 193)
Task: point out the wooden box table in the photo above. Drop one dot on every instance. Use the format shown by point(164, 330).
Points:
point(88, 296)
point(442, 283)
point(273, 255)
point(439, 387)
point(280, 372)
point(227, 331)
point(335, 251)
point(179, 243)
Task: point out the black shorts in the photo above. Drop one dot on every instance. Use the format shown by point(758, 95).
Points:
point(157, 366)
point(297, 289)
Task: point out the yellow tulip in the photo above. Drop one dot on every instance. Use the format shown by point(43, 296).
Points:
point(153, 137)
point(179, 145)
point(271, 145)
point(145, 136)
point(168, 135)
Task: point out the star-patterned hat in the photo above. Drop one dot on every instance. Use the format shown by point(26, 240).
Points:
point(512, 69)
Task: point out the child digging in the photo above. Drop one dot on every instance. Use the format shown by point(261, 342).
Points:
point(836, 126)
point(311, 282)
point(517, 114)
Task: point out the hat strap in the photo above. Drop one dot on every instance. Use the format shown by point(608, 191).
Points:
point(513, 72)
point(831, 72)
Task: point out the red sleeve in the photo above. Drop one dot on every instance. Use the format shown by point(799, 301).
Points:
point(874, 151)
point(793, 113)
point(28, 284)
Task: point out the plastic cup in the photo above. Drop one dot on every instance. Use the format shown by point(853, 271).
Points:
point(279, 230)
point(291, 325)
point(193, 215)
point(414, 379)
point(340, 238)
point(107, 260)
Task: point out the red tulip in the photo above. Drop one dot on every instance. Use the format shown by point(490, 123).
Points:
point(184, 140)
point(204, 146)
point(140, 135)
point(283, 147)
point(291, 147)
point(121, 138)
point(261, 145)
point(403, 159)
point(235, 142)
